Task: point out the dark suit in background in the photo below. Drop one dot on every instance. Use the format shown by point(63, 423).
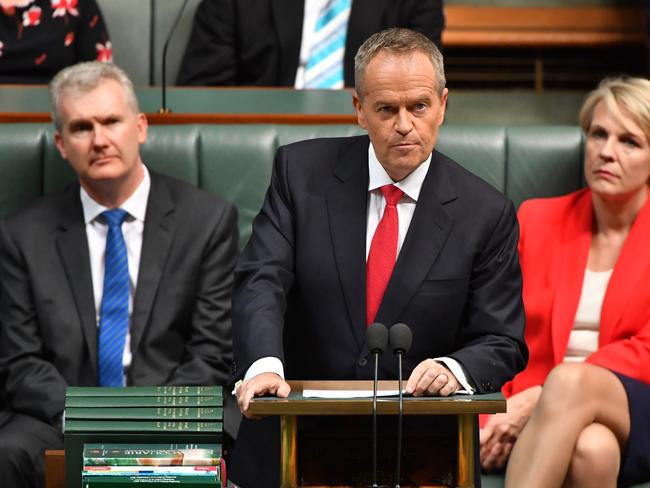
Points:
point(180, 333)
point(257, 42)
point(300, 283)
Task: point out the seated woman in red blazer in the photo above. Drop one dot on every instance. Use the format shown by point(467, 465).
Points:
point(579, 415)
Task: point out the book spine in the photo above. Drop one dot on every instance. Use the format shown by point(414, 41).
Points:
point(148, 481)
point(143, 470)
point(153, 413)
point(82, 425)
point(143, 401)
point(84, 391)
point(155, 454)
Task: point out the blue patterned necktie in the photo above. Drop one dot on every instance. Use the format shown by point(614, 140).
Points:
point(325, 64)
point(114, 312)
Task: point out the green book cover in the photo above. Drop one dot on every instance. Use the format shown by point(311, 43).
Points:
point(151, 454)
point(143, 401)
point(143, 391)
point(148, 481)
point(152, 413)
point(83, 425)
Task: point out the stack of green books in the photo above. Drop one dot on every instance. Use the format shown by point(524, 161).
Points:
point(186, 465)
point(139, 415)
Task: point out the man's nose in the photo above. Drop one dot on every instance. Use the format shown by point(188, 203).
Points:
point(403, 122)
point(99, 135)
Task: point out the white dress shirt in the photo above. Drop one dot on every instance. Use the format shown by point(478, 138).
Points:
point(132, 229)
point(411, 186)
point(312, 11)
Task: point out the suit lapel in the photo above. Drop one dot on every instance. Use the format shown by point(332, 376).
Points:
point(72, 246)
point(156, 241)
point(575, 242)
point(426, 236)
point(631, 266)
point(347, 207)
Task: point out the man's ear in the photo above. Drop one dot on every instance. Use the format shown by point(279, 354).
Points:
point(443, 106)
point(143, 125)
point(356, 102)
point(58, 140)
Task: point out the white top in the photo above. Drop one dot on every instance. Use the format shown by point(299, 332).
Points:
point(312, 11)
point(583, 339)
point(132, 229)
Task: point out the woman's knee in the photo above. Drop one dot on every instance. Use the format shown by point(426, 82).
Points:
point(596, 458)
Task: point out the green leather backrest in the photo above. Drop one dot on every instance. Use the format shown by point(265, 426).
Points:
point(234, 161)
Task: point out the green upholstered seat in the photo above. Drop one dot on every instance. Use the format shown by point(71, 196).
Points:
point(235, 161)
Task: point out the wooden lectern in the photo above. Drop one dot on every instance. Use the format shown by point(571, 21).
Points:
point(460, 462)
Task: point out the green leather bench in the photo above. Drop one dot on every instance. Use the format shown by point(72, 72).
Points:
point(235, 161)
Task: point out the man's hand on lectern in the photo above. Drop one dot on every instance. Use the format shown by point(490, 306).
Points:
point(262, 384)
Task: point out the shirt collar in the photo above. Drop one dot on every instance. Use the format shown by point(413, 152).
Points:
point(411, 185)
point(135, 205)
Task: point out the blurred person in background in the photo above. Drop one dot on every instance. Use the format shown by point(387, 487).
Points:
point(293, 43)
point(40, 37)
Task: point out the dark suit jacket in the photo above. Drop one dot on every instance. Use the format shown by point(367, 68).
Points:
point(257, 42)
point(299, 290)
point(180, 332)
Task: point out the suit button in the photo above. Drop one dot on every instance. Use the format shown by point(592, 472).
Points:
point(362, 362)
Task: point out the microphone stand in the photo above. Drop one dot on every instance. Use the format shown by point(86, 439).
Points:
point(374, 422)
point(164, 109)
point(401, 338)
point(376, 340)
point(399, 421)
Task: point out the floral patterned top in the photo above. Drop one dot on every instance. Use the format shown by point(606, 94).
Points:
point(40, 37)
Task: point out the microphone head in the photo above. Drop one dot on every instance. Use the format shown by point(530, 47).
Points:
point(400, 338)
point(377, 337)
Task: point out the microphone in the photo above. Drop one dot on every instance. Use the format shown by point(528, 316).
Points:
point(377, 340)
point(400, 342)
point(163, 86)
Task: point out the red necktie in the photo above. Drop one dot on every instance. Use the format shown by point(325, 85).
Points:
point(383, 253)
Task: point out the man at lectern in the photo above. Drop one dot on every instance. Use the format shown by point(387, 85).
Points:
point(377, 228)
point(122, 279)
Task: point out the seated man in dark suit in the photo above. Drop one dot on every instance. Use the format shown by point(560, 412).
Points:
point(123, 279)
point(295, 43)
point(376, 228)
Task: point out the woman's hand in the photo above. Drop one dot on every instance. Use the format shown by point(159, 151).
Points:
point(502, 430)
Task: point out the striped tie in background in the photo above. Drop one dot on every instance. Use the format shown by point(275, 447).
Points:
point(114, 312)
point(325, 64)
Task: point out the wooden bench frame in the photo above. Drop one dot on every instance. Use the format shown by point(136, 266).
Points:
point(55, 468)
point(473, 26)
point(542, 27)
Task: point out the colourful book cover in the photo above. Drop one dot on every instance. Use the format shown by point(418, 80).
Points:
point(134, 470)
point(151, 454)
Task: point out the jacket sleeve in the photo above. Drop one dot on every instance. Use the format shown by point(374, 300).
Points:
point(34, 386)
point(211, 54)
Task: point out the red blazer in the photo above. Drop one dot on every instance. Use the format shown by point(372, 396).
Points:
point(554, 245)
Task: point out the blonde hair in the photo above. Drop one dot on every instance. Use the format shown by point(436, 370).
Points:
point(620, 93)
